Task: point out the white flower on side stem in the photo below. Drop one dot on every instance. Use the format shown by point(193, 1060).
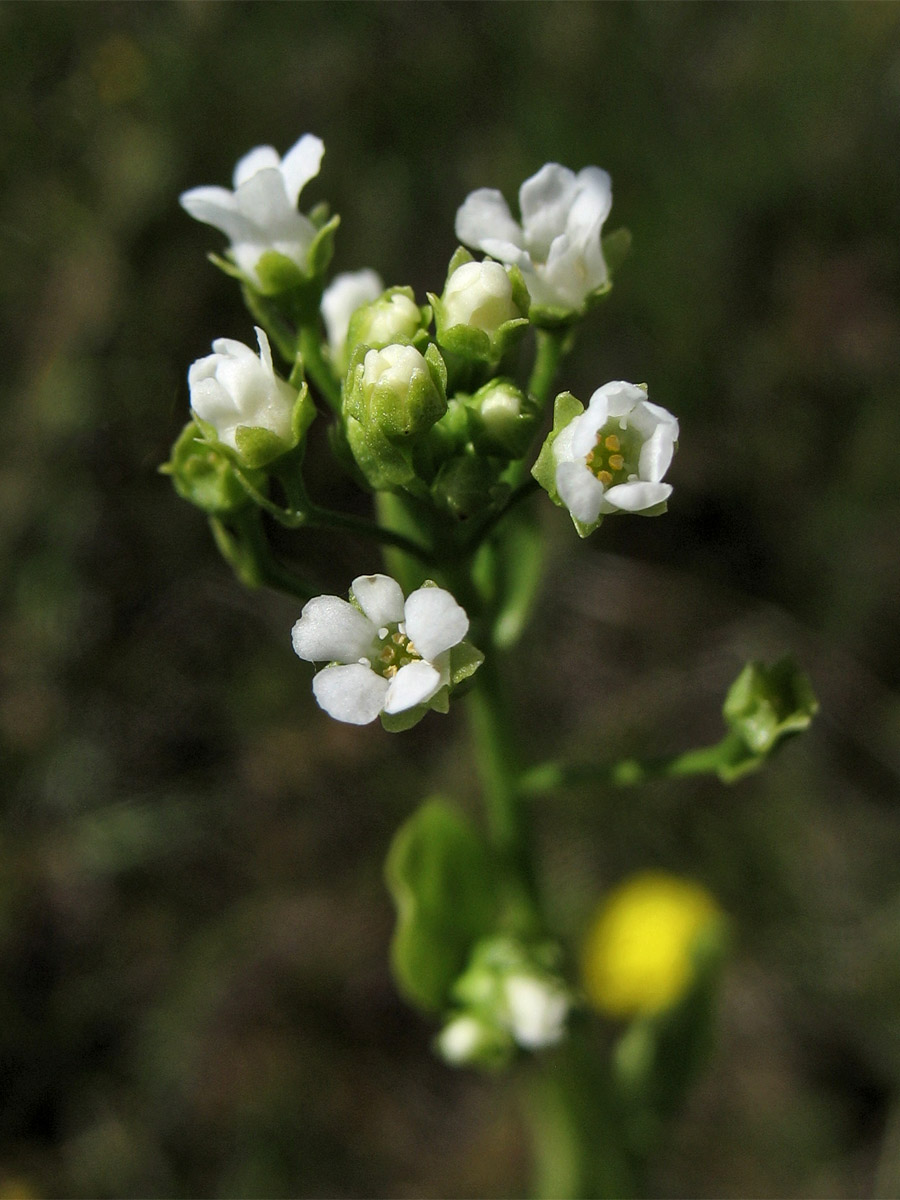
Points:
point(234, 388)
point(557, 246)
point(614, 456)
point(261, 214)
point(610, 457)
point(386, 655)
point(343, 296)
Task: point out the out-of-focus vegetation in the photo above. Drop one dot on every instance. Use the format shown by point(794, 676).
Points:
point(195, 996)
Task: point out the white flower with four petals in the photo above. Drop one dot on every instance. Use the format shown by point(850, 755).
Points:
point(557, 246)
point(613, 456)
point(387, 655)
point(261, 214)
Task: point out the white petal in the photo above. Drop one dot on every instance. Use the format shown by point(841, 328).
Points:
point(343, 296)
point(265, 350)
point(623, 398)
point(580, 491)
point(217, 207)
point(353, 693)
point(636, 496)
point(584, 435)
point(330, 629)
point(592, 203)
point(211, 402)
point(434, 621)
point(656, 452)
point(413, 684)
point(263, 200)
point(545, 200)
point(301, 164)
point(259, 159)
point(380, 598)
point(485, 214)
point(510, 253)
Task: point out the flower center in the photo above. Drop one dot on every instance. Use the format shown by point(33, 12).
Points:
point(394, 650)
point(614, 459)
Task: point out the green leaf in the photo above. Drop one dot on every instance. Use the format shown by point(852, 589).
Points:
point(439, 874)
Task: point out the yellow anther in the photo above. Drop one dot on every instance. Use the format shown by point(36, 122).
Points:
point(616, 461)
point(398, 639)
point(605, 478)
point(386, 655)
point(391, 672)
point(613, 443)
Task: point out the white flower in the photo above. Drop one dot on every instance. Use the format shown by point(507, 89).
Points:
point(614, 456)
point(232, 388)
point(261, 213)
point(480, 295)
point(557, 246)
point(343, 296)
point(536, 1010)
point(387, 655)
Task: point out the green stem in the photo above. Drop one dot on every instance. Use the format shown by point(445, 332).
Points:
point(325, 518)
point(552, 344)
point(317, 367)
point(628, 772)
point(498, 766)
point(244, 546)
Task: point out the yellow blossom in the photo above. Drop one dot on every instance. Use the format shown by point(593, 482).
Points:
point(636, 958)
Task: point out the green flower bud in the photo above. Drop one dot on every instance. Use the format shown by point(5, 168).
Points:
point(766, 704)
point(393, 318)
point(392, 398)
point(502, 419)
point(205, 476)
point(483, 310)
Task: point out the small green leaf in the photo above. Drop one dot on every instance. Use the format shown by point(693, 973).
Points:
point(439, 874)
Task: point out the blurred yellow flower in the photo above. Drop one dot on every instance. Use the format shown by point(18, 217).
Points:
point(636, 958)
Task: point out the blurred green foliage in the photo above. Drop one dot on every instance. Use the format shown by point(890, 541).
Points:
point(193, 928)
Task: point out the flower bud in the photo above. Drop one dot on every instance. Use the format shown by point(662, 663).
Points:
point(239, 401)
point(392, 398)
point(204, 476)
point(393, 317)
point(482, 311)
point(502, 419)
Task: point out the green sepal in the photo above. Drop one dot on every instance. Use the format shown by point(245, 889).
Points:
point(764, 706)
point(206, 476)
point(659, 1056)
point(440, 876)
point(258, 447)
point(465, 659)
point(565, 409)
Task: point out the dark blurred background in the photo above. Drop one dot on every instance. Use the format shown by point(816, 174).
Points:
point(193, 929)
